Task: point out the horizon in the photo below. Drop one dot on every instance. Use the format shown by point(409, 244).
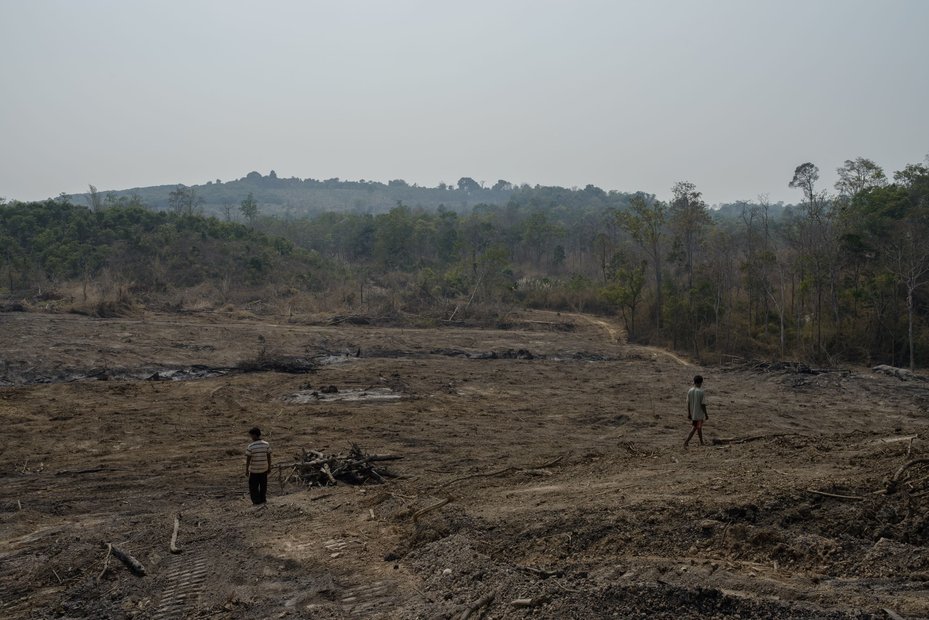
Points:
point(451, 186)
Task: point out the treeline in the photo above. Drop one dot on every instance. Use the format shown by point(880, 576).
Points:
point(137, 251)
point(838, 276)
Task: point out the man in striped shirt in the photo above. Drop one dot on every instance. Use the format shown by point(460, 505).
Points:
point(257, 466)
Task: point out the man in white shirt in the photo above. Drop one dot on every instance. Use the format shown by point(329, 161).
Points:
point(257, 466)
point(696, 409)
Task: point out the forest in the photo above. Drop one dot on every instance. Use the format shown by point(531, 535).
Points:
point(838, 276)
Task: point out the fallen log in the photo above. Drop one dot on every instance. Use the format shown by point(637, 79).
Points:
point(373, 458)
point(91, 470)
point(131, 563)
point(177, 524)
point(721, 441)
point(896, 439)
point(476, 606)
point(106, 562)
point(835, 495)
point(528, 602)
point(325, 469)
point(505, 470)
point(419, 513)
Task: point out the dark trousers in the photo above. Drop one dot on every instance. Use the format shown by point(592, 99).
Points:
point(258, 487)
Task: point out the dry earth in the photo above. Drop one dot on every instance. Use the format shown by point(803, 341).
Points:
point(557, 446)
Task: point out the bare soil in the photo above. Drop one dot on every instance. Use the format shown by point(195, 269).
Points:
point(557, 446)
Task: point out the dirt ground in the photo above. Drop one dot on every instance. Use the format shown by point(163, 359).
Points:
point(557, 445)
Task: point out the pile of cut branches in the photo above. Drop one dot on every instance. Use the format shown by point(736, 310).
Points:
point(317, 469)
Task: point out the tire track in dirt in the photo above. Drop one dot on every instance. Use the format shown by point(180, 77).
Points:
point(24, 588)
point(185, 584)
point(366, 598)
point(13, 599)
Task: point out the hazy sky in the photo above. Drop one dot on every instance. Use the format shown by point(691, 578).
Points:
point(729, 94)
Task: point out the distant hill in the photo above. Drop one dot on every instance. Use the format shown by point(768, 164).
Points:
point(301, 198)
point(306, 197)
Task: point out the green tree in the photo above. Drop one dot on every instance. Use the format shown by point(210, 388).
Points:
point(184, 200)
point(96, 203)
point(467, 184)
point(393, 234)
point(625, 291)
point(805, 177)
point(858, 175)
point(645, 222)
point(537, 235)
point(912, 175)
point(688, 220)
point(447, 236)
point(249, 208)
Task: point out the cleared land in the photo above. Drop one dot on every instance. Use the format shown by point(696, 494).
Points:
point(557, 446)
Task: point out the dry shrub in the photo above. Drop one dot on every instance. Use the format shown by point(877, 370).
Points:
point(383, 298)
point(200, 298)
point(301, 306)
point(110, 296)
point(15, 305)
point(47, 299)
point(482, 314)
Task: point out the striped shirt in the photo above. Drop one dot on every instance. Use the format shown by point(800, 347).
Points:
point(260, 452)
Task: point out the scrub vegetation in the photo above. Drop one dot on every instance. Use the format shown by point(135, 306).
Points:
point(835, 277)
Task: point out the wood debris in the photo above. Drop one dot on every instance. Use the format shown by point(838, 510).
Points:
point(131, 563)
point(897, 478)
point(314, 468)
point(177, 524)
point(505, 470)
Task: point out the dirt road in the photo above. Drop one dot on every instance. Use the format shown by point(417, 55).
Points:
point(557, 448)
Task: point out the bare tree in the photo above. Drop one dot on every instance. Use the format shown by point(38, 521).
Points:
point(817, 242)
point(908, 260)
